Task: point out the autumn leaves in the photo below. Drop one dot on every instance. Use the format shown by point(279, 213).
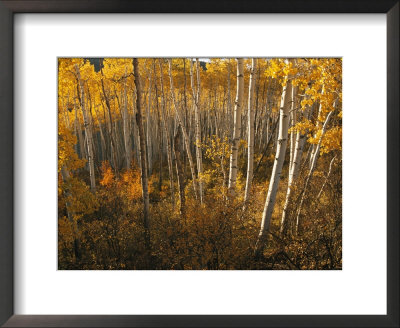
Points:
point(196, 128)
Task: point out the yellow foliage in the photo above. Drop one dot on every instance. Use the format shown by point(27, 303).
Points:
point(107, 175)
point(66, 153)
point(332, 140)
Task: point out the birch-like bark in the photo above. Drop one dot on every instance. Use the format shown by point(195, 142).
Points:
point(293, 172)
point(293, 123)
point(160, 130)
point(88, 132)
point(311, 171)
point(250, 129)
point(142, 154)
point(185, 136)
point(148, 127)
point(277, 168)
point(78, 132)
point(327, 177)
point(111, 134)
point(196, 101)
point(102, 140)
point(166, 133)
point(314, 153)
point(229, 107)
point(236, 128)
point(179, 171)
point(127, 132)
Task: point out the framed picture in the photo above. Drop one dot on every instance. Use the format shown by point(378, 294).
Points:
point(198, 156)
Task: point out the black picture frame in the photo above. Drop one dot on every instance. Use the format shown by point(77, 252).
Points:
point(7, 10)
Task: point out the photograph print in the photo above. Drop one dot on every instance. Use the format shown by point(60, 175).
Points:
point(199, 163)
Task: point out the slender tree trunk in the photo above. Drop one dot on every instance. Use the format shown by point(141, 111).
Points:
point(293, 168)
point(185, 136)
point(127, 132)
point(327, 177)
point(78, 130)
point(314, 153)
point(167, 138)
point(236, 129)
point(148, 127)
point(88, 132)
point(179, 172)
point(102, 140)
point(250, 129)
point(229, 107)
point(160, 134)
point(293, 115)
point(196, 101)
point(311, 171)
point(110, 127)
point(277, 168)
point(142, 154)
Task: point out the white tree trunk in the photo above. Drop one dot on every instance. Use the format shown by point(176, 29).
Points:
point(78, 132)
point(179, 172)
point(185, 136)
point(102, 140)
point(166, 133)
point(250, 129)
point(110, 132)
point(88, 132)
point(326, 177)
point(143, 155)
point(229, 107)
point(314, 153)
point(148, 128)
point(277, 168)
point(236, 128)
point(196, 103)
point(312, 168)
point(293, 115)
point(127, 132)
point(293, 171)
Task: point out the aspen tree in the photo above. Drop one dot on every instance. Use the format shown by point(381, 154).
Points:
point(110, 127)
point(102, 140)
point(293, 169)
point(88, 133)
point(179, 171)
point(250, 129)
point(148, 125)
point(326, 177)
point(78, 132)
point(311, 171)
point(127, 132)
point(160, 130)
point(185, 135)
point(314, 152)
point(277, 168)
point(166, 133)
point(293, 115)
point(196, 101)
point(142, 154)
point(236, 128)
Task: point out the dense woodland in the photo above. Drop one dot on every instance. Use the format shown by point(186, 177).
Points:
point(187, 163)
